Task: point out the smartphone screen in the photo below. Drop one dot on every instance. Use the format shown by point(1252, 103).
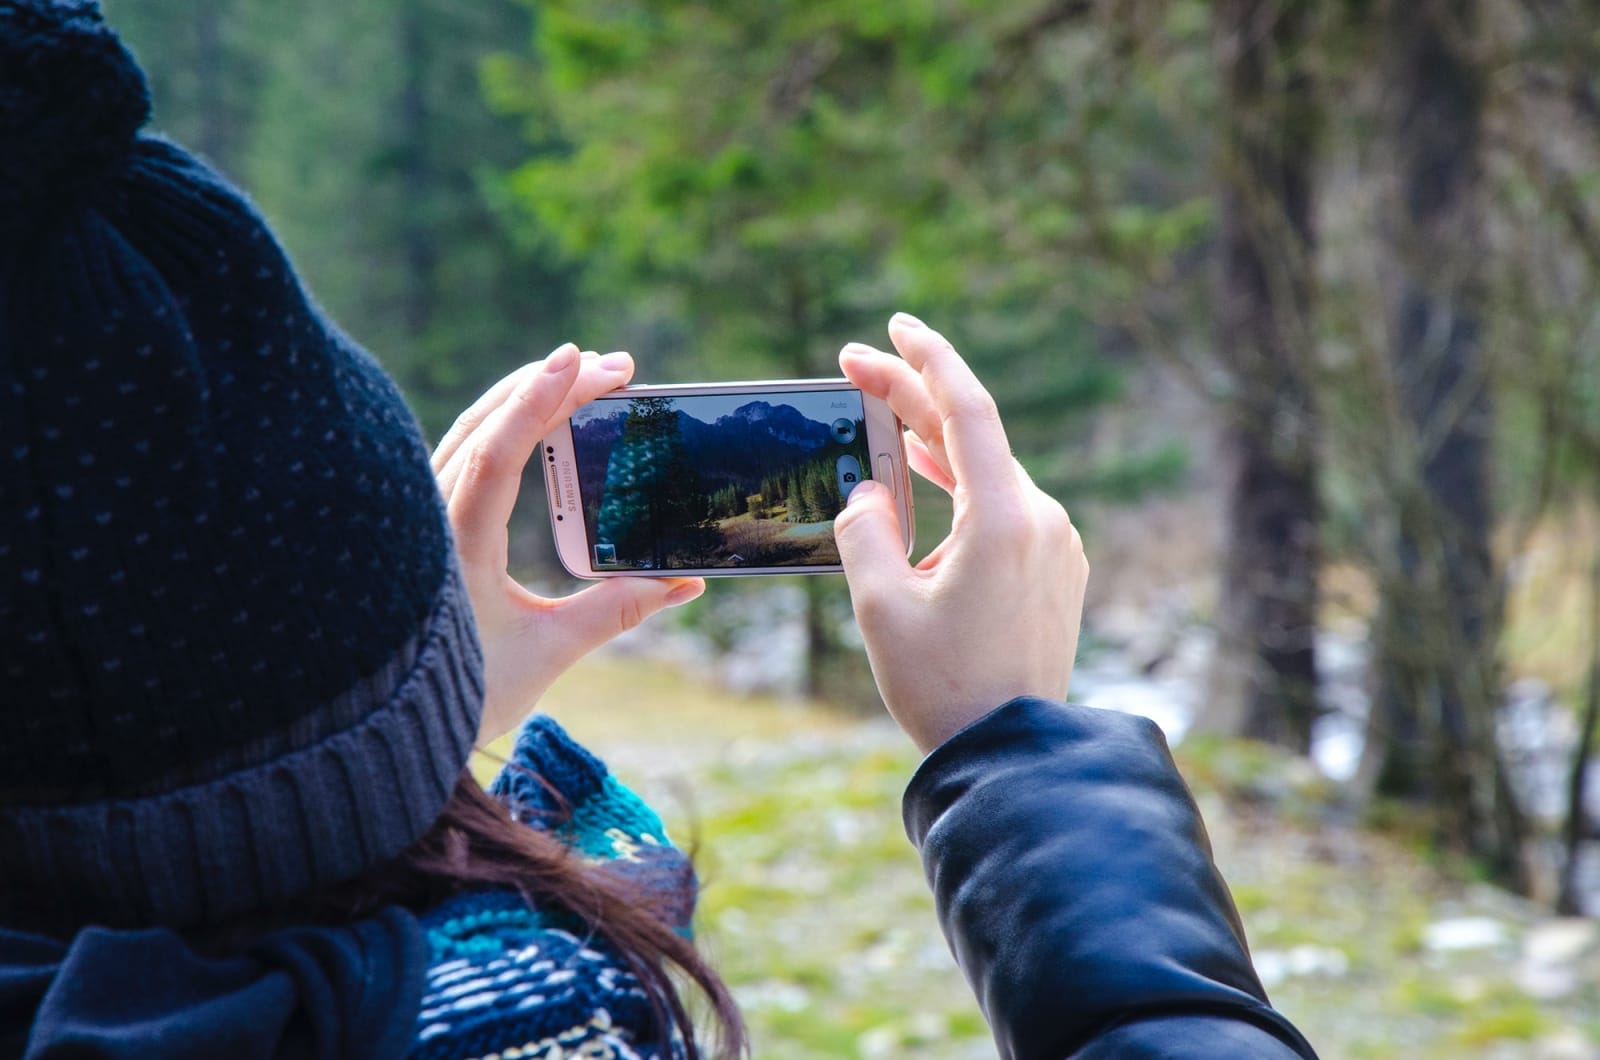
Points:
point(717, 481)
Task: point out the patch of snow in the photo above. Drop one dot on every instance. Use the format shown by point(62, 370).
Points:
point(1465, 933)
point(1170, 704)
point(1551, 956)
point(1274, 966)
point(1336, 743)
point(772, 994)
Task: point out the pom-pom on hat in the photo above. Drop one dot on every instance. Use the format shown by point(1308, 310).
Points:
point(71, 100)
point(236, 658)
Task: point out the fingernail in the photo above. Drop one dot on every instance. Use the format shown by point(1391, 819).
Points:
point(561, 359)
point(684, 593)
point(906, 320)
point(860, 349)
point(616, 362)
point(861, 489)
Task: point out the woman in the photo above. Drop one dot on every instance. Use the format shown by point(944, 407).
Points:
point(249, 635)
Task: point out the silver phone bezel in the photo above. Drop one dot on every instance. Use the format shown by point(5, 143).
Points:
point(884, 439)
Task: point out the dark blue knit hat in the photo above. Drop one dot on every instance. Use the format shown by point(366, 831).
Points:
point(236, 658)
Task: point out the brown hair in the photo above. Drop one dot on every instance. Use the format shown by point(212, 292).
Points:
point(475, 844)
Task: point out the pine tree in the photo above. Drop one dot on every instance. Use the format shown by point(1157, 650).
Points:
point(794, 507)
point(365, 134)
point(854, 160)
point(650, 489)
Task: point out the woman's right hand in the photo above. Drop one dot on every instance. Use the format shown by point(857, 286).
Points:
point(993, 611)
point(529, 640)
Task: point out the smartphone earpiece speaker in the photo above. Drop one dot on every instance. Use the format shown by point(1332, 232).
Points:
point(558, 502)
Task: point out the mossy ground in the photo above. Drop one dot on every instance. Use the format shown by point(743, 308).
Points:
point(815, 908)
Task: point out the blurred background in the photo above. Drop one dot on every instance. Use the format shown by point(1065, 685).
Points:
point(1295, 304)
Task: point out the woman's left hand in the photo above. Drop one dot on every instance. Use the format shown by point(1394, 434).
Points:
point(529, 640)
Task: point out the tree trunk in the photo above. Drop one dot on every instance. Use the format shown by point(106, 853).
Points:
point(1264, 678)
point(1433, 723)
point(825, 657)
point(417, 237)
point(213, 133)
point(1568, 901)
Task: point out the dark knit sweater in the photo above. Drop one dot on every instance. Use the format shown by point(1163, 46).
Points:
point(507, 981)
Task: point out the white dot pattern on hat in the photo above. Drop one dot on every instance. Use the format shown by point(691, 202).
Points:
point(217, 517)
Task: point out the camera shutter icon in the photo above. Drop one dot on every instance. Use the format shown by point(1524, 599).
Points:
point(848, 470)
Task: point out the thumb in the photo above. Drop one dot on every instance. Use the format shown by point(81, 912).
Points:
point(601, 612)
point(870, 546)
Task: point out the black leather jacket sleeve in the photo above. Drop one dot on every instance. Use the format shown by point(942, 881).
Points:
point(1074, 882)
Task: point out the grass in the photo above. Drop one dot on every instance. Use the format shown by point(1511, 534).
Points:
point(770, 541)
point(639, 704)
point(1547, 625)
point(816, 912)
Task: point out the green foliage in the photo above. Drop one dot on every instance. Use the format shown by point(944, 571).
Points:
point(724, 503)
point(206, 68)
point(822, 995)
point(650, 485)
point(777, 179)
point(729, 190)
point(812, 492)
point(1519, 1020)
point(746, 187)
point(363, 133)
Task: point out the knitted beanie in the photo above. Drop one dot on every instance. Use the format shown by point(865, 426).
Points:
point(236, 658)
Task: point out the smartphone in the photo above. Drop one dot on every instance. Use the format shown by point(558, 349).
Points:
point(718, 478)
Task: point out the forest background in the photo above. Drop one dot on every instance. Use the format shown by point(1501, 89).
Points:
point(1294, 303)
